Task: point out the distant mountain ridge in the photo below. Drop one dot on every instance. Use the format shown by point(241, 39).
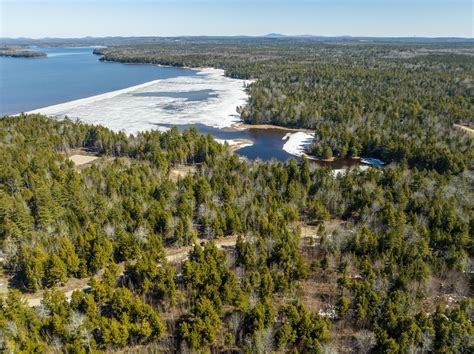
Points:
point(274, 35)
point(119, 40)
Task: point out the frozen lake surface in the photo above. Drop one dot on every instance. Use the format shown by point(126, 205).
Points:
point(133, 97)
point(207, 98)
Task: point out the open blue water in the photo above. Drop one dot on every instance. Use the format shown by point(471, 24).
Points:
point(267, 144)
point(67, 74)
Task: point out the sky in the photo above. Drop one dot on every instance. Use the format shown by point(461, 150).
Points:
point(381, 18)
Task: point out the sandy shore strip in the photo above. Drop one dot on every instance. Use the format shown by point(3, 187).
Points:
point(243, 126)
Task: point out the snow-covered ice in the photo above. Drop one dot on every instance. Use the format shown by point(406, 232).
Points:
point(233, 142)
point(297, 143)
point(142, 107)
point(65, 54)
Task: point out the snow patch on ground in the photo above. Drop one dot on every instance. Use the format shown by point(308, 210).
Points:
point(125, 110)
point(337, 172)
point(297, 143)
point(330, 312)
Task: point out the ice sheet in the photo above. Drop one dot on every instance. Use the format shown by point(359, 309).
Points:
point(125, 110)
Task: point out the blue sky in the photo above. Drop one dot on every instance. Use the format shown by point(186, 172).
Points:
point(74, 18)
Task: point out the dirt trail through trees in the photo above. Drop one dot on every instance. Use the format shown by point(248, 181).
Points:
point(470, 131)
point(173, 255)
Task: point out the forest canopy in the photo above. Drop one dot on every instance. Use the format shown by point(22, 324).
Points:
point(278, 256)
point(392, 101)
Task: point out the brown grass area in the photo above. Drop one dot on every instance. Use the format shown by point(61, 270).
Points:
point(80, 160)
point(181, 171)
point(175, 255)
point(82, 157)
point(447, 291)
point(343, 337)
point(317, 293)
point(330, 226)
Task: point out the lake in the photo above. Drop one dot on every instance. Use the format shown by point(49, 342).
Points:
point(68, 74)
point(268, 144)
point(179, 97)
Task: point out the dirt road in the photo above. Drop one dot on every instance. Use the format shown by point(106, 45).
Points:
point(173, 255)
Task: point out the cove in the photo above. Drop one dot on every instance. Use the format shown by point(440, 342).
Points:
point(73, 82)
point(67, 74)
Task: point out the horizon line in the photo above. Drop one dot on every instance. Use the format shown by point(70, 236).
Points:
point(269, 35)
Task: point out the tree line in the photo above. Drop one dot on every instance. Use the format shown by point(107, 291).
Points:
point(405, 228)
point(393, 101)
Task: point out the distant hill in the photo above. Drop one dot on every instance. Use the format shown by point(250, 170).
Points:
point(150, 40)
point(274, 35)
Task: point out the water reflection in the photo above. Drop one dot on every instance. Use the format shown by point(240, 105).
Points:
point(267, 144)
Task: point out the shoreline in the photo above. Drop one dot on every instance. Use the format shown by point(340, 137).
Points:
point(101, 96)
point(85, 109)
point(235, 144)
point(144, 114)
point(241, 126)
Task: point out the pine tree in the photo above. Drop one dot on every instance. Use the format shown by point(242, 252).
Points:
point(56, 271)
